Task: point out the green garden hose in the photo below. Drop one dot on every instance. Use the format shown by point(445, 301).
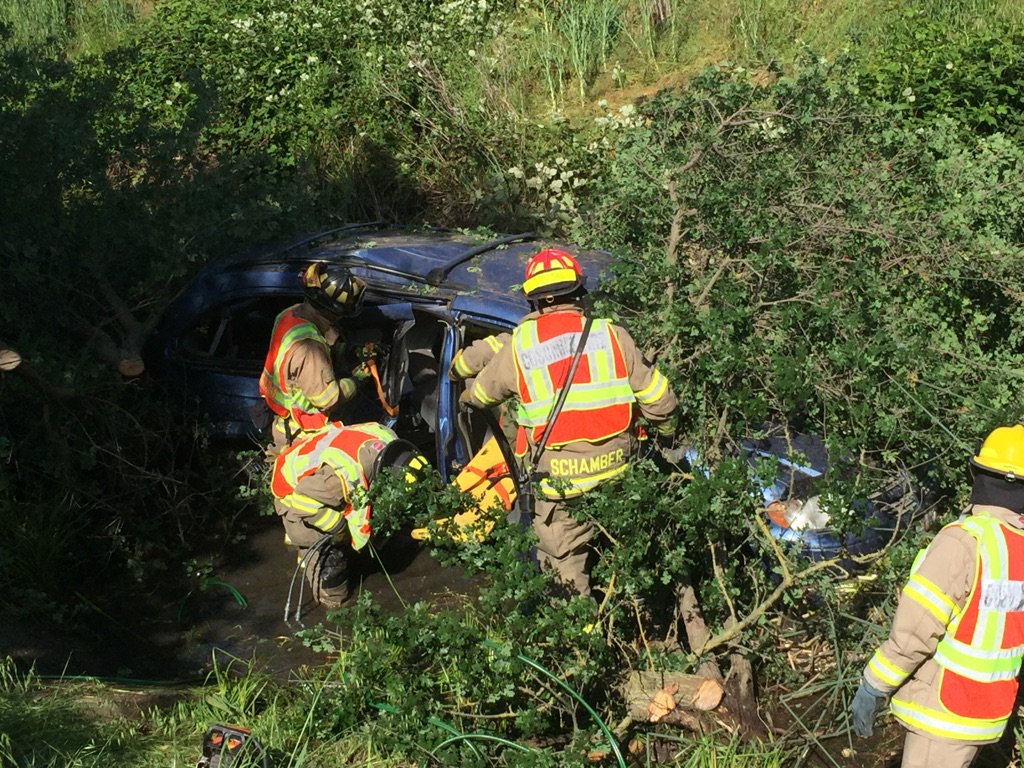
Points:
point(564, 686)
point(469, 737)
point(209, 581)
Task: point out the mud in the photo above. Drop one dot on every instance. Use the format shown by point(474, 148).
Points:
point(237, 616)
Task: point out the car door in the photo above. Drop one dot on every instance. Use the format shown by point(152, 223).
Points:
point(475, 426)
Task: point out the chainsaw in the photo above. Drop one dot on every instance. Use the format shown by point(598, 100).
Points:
point(229, 746)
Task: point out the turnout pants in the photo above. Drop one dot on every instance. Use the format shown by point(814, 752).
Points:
point(302, 537)
point(922, 752)
point(562, 542)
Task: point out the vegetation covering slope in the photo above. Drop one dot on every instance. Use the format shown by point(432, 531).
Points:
point(819, 224)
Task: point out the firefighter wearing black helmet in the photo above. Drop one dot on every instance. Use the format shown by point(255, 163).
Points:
point(320, 485)
point(298, 382)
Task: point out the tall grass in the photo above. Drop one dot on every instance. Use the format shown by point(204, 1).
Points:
point(589, 29)
point(710, 751)
point(559, 51)
point(56, 731)
point(571, 41)
point(66, 26)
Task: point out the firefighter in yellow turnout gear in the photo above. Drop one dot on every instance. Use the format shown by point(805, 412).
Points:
point(954, 652)
point(590, 441)
point(320, 485)
point(298, 382)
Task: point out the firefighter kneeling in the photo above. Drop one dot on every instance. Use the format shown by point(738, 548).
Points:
point(320, 486)
point(953, 655)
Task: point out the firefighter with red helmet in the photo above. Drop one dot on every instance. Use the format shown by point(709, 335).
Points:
point(298, 382)
point(953, 656)
point(588, 440)
point(320, 485)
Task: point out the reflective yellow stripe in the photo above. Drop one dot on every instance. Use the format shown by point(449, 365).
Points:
point(328, 394)
point(302, 504)
point(328, 520)
point(461, 366)
point(481, 396)
point(977, 664)
point(347, 388)
point(925, 593)
point(946, 724)
point(886, 671)
point(494, 344)
point(549, 277)
point(653, 391)
point(566, 487)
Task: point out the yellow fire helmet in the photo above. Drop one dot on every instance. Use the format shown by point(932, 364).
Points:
point(1002, 453)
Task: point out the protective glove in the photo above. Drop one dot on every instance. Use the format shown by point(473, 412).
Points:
point(367, 351)
point(361, 372)
point(866, 703)
point(665, 431)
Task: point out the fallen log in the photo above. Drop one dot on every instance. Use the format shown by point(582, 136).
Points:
point(654, 696)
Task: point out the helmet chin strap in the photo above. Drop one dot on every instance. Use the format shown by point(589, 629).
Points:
point(547, 303)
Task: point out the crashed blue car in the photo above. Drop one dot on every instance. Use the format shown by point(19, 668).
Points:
point(429, 292)
point(795, 512)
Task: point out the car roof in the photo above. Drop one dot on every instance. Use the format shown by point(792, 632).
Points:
point(486, 272)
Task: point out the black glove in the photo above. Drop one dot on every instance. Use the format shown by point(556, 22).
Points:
point(866, 703)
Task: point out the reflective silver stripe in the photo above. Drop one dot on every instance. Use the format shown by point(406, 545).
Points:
point(561, 347)
point(1002, 595)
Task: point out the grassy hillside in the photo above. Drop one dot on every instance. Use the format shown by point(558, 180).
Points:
point(817, 212)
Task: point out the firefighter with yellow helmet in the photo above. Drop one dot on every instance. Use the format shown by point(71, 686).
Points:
point(951, 661)
point(586, 440)
point(298, 382)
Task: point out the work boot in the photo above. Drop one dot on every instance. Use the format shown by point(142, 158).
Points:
point(332, 572)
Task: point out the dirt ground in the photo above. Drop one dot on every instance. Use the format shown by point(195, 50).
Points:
point(178, 638)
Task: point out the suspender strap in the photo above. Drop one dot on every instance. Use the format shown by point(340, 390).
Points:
point(557, 407)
